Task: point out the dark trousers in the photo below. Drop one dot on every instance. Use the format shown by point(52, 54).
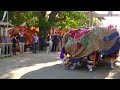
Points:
point(7, 50)
point(54, 47)
point(41, 45)
point(34, 47)
point(14, 50)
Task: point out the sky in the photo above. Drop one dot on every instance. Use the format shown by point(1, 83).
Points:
point(110, 20)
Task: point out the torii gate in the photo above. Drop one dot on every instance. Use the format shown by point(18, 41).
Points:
point(5, 26)
point(93, 14)
point(109, 14)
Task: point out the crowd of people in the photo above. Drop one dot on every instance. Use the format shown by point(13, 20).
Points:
point(52, 43)
point(15, 39)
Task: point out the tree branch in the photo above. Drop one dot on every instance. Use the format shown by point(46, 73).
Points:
point(60, 19)
point(52, 15)
point(43, 14)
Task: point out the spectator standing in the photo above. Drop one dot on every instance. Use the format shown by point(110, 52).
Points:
point(35, 42)
point(4, 41)
point(48, 43)
point(14, 42)
point(55, 40)
point(21, 40)
point(8, 40)
point(59, 42)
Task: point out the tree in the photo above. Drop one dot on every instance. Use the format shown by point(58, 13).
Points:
point(73, 19)
point(61, 19)
point(19, 17)
point(96, 22)
point(45, 20)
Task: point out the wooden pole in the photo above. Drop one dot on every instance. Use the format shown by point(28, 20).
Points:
point(7, 19)
point(7, 24)
point(91, 18)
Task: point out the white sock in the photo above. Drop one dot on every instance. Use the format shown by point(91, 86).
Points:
point(47, 49)
point(90, 70)
point(112, 64)
point(90, 67)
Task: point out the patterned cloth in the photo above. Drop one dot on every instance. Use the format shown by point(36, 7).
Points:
point(80, 43)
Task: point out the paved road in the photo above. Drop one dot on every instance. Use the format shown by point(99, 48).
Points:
point(48, 66)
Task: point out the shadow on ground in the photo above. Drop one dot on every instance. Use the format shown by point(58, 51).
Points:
point(48, 66)
point(10, 64)
point(58, 72)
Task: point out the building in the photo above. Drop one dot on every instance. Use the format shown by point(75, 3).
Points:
point(4, 27)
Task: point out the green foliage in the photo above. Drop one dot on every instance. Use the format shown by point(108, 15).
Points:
point(96, 21)
point(59, 19)
point(1, 15)
point(19, 17)
point(44, 23)
point(71, 19)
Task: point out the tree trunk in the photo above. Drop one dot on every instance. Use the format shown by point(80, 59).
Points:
point(44, 26)
point(43, 31)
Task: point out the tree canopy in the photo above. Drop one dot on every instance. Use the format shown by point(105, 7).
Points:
point(96, 22)
point(64, 19)
point(47, 19)
point(61, 19)
point(73, 19)
point(19, 17)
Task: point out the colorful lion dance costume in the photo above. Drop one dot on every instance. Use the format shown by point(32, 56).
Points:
point(79, 43)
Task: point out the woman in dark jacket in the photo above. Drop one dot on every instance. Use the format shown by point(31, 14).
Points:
point(48, 39)
point(14, 42)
